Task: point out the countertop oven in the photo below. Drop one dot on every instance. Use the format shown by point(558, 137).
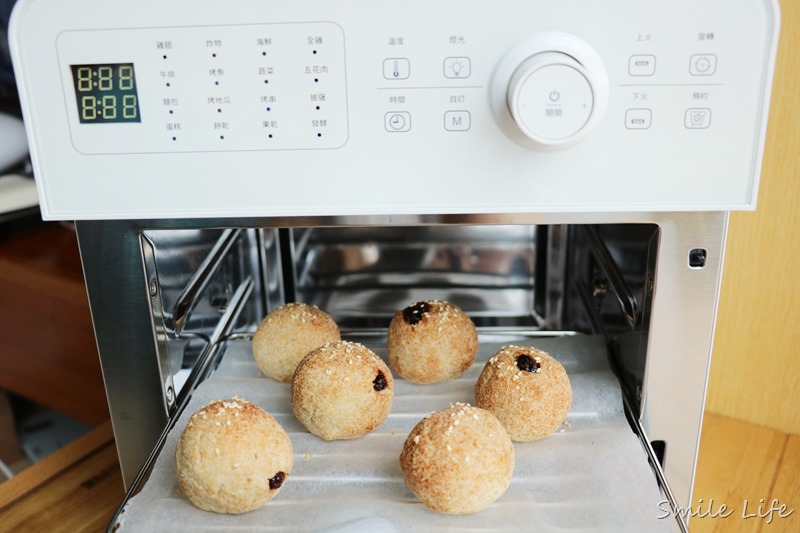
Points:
point(561, 171)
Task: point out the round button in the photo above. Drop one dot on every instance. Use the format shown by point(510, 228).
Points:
point(550, 98)
point(397, 122)
point(702, 65)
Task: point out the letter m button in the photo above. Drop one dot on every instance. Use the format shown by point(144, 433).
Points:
point(457, 120)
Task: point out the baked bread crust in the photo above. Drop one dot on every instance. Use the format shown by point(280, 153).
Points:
point(232, 457)
point(458, 460)
point(342, 390)
point(527, 390)
point(431, 342)
point(287, 334)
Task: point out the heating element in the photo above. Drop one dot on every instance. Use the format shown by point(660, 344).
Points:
point(563, 172)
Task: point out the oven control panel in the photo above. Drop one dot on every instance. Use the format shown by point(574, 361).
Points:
point(316, 108)
point(203, 89)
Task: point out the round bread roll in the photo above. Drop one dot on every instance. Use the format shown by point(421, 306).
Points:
point(342, 390)
point(458, 460)
point(287, 334)
point(232, 457)
point(527, 390)
point(431, 341)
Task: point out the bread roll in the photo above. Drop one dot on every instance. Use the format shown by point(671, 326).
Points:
point(232, 457)
point(342, 390)
point(527, 390)
point(431, 341)
point(458, 460)
point(287, 334)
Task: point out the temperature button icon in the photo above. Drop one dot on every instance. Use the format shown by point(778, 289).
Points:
point(457, 67)
point(396, 68)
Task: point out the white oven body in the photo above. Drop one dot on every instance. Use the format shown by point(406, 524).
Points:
point(357, 108)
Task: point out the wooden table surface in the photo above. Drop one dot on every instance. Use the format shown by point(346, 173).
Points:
point(79, 487)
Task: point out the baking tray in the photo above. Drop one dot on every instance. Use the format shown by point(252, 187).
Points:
point(592, 474)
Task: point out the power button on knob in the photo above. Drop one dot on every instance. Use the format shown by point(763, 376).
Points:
point(551, 98)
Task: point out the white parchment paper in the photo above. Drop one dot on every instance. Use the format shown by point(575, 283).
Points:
point(591, 475)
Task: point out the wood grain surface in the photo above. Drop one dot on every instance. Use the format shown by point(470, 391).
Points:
point(78, 488)
point(747, 469)
point(755, 370)
point(47, 348)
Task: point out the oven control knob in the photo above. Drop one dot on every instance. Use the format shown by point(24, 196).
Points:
point(551, 98)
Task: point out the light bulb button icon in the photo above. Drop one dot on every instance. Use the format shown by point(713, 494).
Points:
point(457, 67)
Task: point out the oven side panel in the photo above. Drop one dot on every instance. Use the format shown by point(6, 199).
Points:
point(680, 342)
point(118, 296)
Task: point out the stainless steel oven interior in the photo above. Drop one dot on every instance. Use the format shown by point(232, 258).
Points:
point(166, 295)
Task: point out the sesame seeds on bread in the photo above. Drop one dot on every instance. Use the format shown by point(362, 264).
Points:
point(342, 390)
point(431, 341)
point(287, 334)
point(527, 390)
point(232, 457)
point(458, 460)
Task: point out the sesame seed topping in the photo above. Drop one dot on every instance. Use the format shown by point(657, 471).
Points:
point(449, 448)
point(416, 439)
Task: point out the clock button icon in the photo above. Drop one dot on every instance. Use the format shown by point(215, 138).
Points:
point(397, 121)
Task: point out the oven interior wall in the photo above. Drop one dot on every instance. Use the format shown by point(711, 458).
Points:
point(553, 279)
point(362, 276)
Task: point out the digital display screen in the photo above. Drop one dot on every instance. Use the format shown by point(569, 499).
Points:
point(106, 93)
